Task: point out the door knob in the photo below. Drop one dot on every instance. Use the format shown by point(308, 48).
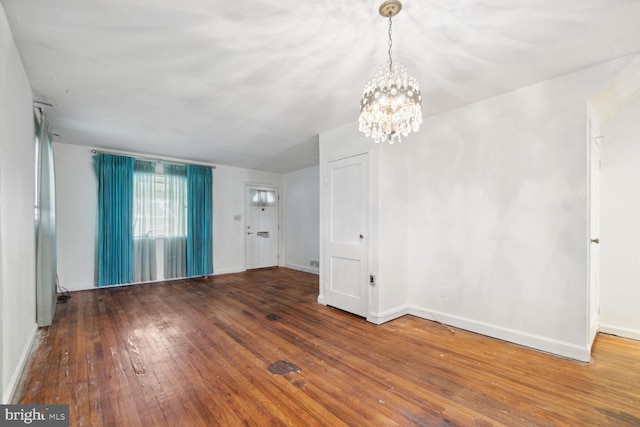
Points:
point(596, 240)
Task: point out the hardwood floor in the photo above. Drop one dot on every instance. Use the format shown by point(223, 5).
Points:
point(197, 353)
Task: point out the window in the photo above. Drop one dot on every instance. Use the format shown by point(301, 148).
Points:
point(160, 200)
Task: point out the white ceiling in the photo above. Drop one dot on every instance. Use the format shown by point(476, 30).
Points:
point(252, 83)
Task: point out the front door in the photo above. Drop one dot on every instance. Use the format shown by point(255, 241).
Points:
point(346, 269)
point(262, 227)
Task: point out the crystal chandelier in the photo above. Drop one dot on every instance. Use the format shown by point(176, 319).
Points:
point(391, 105)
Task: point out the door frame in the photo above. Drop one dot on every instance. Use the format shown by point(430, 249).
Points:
point(248, 186)
point(593, 302)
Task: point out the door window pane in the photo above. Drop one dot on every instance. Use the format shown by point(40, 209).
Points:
point(262, 198)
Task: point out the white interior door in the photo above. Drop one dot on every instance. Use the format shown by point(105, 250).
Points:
point(346, 241)
point(594, 231)
point(262, 227)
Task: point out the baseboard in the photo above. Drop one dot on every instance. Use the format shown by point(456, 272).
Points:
point(536, 342)
point(312, 270)
point(94, 286)
point(81, 287)
point(386, 316)
point(620, 331)
point(321, 300)
point(228, 271)
point(8, 395)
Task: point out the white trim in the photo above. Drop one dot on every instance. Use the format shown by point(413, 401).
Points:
point(81, 287)
point(536, 342)
point(228, 271)
point(620, 331)
point(312, 270)
point(386, 316)
point(594, 328)
point(118, 285)
point(12, 387)
point(593, 290)
point(321, 300)
point(173, 279)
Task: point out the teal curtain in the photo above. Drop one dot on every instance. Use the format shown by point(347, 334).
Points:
point(115, 218)
point(46, 271)
point(199, 220)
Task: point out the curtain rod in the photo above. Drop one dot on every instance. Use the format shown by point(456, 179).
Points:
point(46, 104)
point(150, 158)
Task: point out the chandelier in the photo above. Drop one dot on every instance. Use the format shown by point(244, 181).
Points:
point(391, 102)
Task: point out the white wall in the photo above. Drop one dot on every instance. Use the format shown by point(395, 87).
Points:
point(390, 293)
point(620, 223)
point(496, 232)
point(301, 219)
point(17, 196)
point(77, 212)
point(498, 212)
point(77, 215)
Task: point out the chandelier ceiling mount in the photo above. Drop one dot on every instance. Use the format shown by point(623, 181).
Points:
point(390, 8)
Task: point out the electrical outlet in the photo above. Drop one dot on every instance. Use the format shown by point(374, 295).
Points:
point(443, 292)
point(314, 263)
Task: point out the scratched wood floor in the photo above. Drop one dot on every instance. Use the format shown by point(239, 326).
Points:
point(196, 353)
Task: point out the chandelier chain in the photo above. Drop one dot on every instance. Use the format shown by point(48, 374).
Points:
point(390, 45)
